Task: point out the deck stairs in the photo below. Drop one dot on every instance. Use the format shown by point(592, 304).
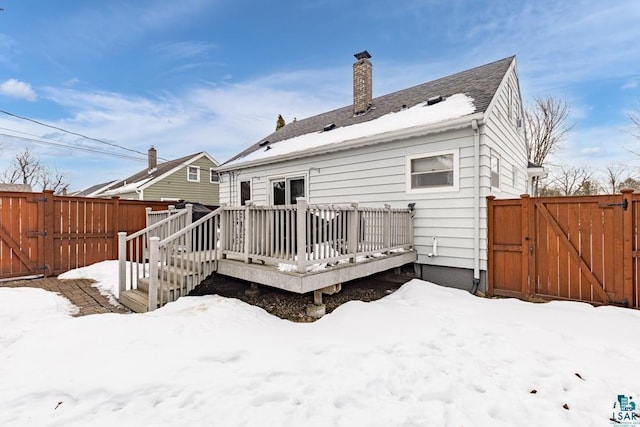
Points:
point(174, 281)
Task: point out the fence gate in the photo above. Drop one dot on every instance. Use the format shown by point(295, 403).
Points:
point(576, 248)
point(21, 234)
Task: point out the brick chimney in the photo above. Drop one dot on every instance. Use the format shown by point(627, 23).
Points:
point(362, 83)
point(153, 159)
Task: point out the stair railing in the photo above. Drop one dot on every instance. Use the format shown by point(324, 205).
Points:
point(184, 259)
point(135, 247)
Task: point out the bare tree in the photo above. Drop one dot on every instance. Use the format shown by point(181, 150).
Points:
point(53, 180)
point(615, 175)
point(634, 116)
point(630, 182)
point(571, 181)
point(546, 125)
point(26, 168)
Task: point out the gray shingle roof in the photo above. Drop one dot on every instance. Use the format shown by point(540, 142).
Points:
point(22, 188)
point(479, 83)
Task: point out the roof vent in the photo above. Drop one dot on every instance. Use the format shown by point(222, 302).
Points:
point(329, 127)
point(434, 100)
point(404, 107)
point(263, 143)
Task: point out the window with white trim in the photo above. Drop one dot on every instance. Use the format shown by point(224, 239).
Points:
point(213, 176)
point(287, 190)
point(433, 172)
point(193, 173)
point(495, 171)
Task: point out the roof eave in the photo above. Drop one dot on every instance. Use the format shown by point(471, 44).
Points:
point(394, 135)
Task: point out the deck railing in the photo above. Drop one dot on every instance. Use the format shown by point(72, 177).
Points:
point(294, 237)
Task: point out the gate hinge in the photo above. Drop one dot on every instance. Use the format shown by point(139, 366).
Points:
point(43, 199)
point(37, 233)
point(624, 204)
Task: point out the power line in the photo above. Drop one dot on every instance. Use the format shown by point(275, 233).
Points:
point(71, 147)
point(82, 136)
point(74, 133)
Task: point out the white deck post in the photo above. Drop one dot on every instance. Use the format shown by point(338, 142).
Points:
point(222, 238)
point(248, 231)
point(148, 213)
point(188, 221)
point(386, 237)
point(154, 253)
point(301, 233)
point(353, 232)
point(122, 262)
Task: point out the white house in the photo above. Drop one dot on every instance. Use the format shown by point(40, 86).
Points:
point(442, 147)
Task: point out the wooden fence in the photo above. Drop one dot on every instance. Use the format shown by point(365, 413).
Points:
point(45, 234)
point(576, 248)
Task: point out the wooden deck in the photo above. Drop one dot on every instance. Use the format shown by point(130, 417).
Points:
point(299, 248)
point(302, 283)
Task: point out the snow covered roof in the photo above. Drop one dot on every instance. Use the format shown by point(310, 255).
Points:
point(463, 93)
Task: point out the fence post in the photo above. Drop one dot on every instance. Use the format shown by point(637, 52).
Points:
point(301, 233)
point(353, 232)
point(490, 256)
point(627, 248)
point(525, 241)
point(153, 272)
point(386, 236)
point(122, 262)
point(49, 230)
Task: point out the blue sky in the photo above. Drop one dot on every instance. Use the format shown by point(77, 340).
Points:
point(195, 75)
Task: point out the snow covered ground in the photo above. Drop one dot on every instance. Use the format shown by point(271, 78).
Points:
point(423, 356)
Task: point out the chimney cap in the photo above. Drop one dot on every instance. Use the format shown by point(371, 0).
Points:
point(363, 55)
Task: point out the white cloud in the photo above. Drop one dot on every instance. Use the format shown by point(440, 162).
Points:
point(17, 89)
point(221, 119)
point(632, 84)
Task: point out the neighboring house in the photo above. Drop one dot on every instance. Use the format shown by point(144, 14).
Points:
point(18, 188)
point(192, 178)
point(443, 146)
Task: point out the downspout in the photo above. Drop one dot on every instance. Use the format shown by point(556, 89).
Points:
point(476, 206)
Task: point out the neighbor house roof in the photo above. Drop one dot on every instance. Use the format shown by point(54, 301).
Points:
point(146, 177)
point(478, 85)
point(94, 189)
point(21, 188)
